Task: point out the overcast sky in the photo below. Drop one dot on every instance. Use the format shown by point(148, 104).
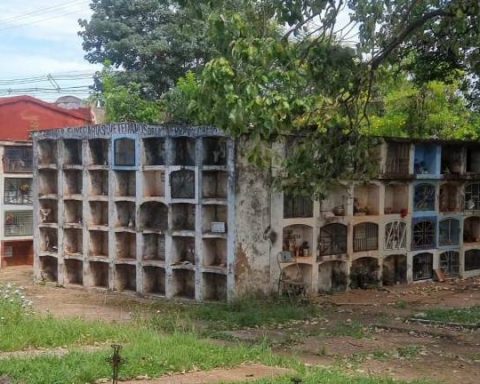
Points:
point(38, 37)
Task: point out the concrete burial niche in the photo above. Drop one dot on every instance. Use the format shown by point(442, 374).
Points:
point(73, 212)
point(126, 245)
point(423, 266)
point(125, 184)
point(48, 240)
point(214, 185)
point(47, 152)
point(98, 244)
point(154, 247)
point(47, 182)
point(98, 274)
point(365, 237)
point(215, 253)
point(74, 272)
point(214, 151)
point(98, 213)
point(332, 276)
point(49, 268)
point(298, 239)
point(471, 229)
point(366, 199)
point(332, 240)
point(153, 216)
point(473, 159)
point(397, 162)
point(450, 197)
point(396, 198)
point(183, 283)
point(183, 250)
point(182, 184)
point(72, 152)
point(154, 151)
point(183, 151)
point(48, 211)
point(337, 202)
point(183, 217)
point(98, 152)
point(472, 197)
point(125, 213)
point(154, 281)
point(72, 182)
point(395, 269)
point(450, 263)
point(154, 183)
point(212, 214)
point(472, 260)
point(98, 183)
point(364, 273)
point(452, 160)
point(214, 287)
point(72, 242)
point(426, 161)
point(125, 277)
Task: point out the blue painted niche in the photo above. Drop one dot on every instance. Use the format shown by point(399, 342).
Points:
point(427, 160)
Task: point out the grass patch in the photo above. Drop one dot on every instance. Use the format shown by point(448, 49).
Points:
point(466, 316)
point(353, 329)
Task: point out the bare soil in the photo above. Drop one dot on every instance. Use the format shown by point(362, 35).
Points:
point(362, 331)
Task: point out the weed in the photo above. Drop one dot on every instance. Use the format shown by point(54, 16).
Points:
point(466, 316)
point(409, 352)
point(401, 304)
point(353, 329)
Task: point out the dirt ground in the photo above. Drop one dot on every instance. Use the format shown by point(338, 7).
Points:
point(362, 331)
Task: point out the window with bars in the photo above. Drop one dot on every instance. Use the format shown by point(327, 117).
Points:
point(472, 260)
point(395, 235)
point(365, 237)
point(17, 160)
point(424, 198)
point(472, 196)
point(422, 266)
point(423, 236)
point(450, 263)
point(17, 191)
point(449, 232)
point(18, 223)
point(297, 206)
point(332, 239)
point(124, 152)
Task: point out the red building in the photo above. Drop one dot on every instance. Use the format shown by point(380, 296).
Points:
point(19, 116)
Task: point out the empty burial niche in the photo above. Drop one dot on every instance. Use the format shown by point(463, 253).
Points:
point(183, 151)
point(154, 183)
point(72, 152)
point(397, 162)
point(98, 151)
point(215, 185)
point(450, 197)
point(366, 199)
point(98, 213)
point(154, 281)
point(125, 183)
point(99, 274)
point(154, 151)
point(125, 277)
point(332, 276)
point(473, 159)
point(214, 151)
point(183, 217)
point(364, 273)
point(72, 182)
point(48, 240)
point(47, 152)
point(336, 203)
point(48, 211)
point(125, 214)
point(153, 247)
point(214, 219)
point(98, 183)
point(182, 184)
point(215, 253)
point(183, 251)
point(47, 182)
point(49, 268)
point(153, 216)
point(298, 239)
point(472, 260)
point(425, 161)
point(126, 245)
point(422, 266)
point(74, 272)
point(452, 160)
point(396, 198)
point(73, 212)
point(214, 287)
point(394, 270)
point(72, 242)
point(98, 244)
point(471, 230)
point(450, 263)
point(183, 283)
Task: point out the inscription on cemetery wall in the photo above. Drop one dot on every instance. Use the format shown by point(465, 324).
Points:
point(107, 130)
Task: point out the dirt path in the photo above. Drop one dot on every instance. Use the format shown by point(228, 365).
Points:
point(241, 374)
